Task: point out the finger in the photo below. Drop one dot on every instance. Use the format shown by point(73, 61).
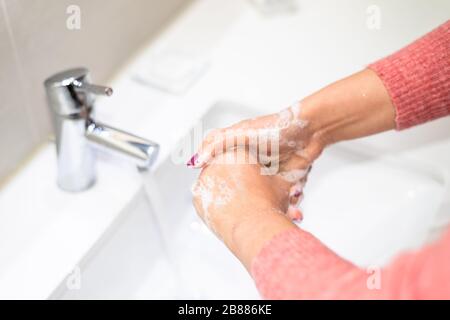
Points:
point(296, 192)
point(217, 142)
point(213, 145)
point(295, 162)
point(311, 152)
point(295, 169)
point(294, 213)
point(257, 133)
point(208, 144)
point(196, 198)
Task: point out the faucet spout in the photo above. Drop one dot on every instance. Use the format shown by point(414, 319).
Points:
point(71, 98)
point(141, 151)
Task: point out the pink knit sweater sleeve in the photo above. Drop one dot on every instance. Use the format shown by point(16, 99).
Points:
point(417, 78)
point(296, 265)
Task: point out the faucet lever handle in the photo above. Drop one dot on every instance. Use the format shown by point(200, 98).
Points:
point(92, 88)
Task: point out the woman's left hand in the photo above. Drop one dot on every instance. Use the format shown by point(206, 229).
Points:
point(237, 201)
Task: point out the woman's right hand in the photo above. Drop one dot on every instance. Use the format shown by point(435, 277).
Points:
point(289, 156)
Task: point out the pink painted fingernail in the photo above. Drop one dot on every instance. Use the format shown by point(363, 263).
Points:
point(193, 161)
point(296, 214)
point(297, 193)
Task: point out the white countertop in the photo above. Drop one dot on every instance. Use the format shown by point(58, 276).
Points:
point(255, 60)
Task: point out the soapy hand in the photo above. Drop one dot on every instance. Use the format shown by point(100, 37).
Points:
point(283, 141)
point(226, 195)
point(243, 207)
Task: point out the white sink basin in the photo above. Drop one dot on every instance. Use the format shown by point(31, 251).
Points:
point(366, 208)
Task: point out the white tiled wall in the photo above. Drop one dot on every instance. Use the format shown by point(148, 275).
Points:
point(35, 42)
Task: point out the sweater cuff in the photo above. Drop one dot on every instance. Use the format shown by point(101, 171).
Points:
point(296, 265)
point(417, 78)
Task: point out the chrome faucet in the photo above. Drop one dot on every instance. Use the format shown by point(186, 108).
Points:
point(71, 97)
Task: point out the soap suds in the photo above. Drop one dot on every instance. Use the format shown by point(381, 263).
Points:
point(293, 175)
point(224, 194)
point(285, 118)
point(296, 109)
point(301, 153)
point(300, 123)
point(290, 117)
point(202, 189)
point(212, 192)
point(292, 144)
point(296, 189)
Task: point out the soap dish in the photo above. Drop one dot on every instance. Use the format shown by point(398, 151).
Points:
point(171, 71)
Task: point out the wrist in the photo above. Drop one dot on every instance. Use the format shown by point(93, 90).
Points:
point(326, 117)
point(353, 107)
point(245, 236)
